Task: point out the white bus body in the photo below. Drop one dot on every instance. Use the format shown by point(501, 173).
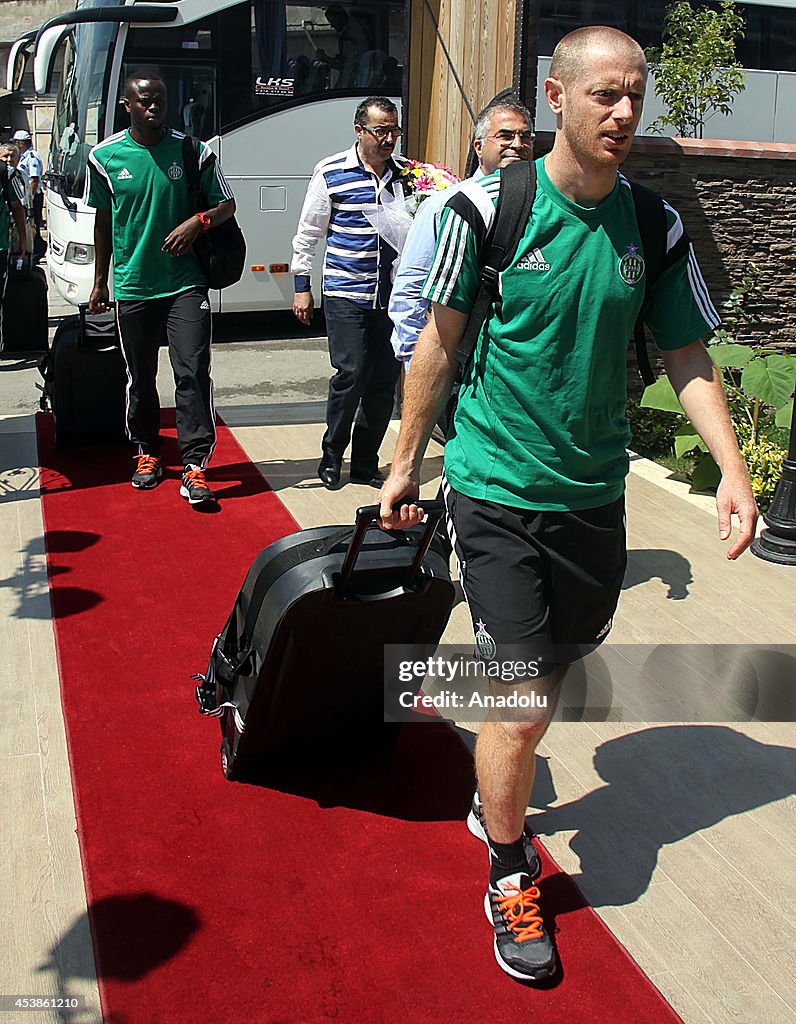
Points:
point(268, 129)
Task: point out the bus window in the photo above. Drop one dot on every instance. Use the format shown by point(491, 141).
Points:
point(294, 54)
point(80, 104)
point(191, 93)
point(185, 56)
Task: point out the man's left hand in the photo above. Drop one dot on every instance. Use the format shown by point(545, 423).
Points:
point(180, 240)
point(734, 497)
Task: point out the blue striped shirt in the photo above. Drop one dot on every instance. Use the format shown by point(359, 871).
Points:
point(358, 261)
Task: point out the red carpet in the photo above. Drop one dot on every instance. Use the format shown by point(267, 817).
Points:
point(357, 901)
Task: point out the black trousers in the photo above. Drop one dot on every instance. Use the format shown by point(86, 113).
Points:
point(39, 245)
point(361, 392)
point(182, 321)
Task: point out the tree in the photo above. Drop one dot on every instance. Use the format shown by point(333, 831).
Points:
point(697, 74)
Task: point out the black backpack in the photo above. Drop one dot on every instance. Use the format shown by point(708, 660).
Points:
point(221, 251)
point(514, 206)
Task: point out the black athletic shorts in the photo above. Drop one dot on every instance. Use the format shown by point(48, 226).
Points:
point(538, 584)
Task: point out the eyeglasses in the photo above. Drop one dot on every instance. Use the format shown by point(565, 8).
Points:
point(505, 136)
point(381, 132)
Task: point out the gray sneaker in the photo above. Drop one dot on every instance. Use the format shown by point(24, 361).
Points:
point(523, 949)
point(148, 472)
point(477, 825)
point(194, 487)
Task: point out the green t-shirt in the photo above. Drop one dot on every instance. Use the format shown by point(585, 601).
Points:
point(146, 190)
point(540, 421)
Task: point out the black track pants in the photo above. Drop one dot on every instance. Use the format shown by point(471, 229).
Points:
point(182, 321)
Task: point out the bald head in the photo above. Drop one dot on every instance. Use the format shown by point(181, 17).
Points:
point(571, 57)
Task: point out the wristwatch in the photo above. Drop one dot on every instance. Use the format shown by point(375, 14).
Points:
point(204, 220)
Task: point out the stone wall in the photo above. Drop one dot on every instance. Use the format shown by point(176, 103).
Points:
point(27, 15)
point(738, 203)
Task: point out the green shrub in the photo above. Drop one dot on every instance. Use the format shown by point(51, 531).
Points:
point(758, 382)
point(652, 431)
point(763, 459)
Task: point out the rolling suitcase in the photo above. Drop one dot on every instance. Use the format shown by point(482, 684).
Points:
point(298, 670)
point(25, 325)
point(85, 381)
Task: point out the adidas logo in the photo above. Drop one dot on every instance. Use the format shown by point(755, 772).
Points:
point(123, 175)
point(533, 261)
point(205, 304)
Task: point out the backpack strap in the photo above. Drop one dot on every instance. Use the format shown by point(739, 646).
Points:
point(190, 159)
point(652, 226)
point(514, 205)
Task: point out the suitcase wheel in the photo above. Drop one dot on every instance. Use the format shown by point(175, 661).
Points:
point(226, 761)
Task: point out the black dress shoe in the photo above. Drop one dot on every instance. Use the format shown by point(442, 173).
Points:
point(370, 480)
point(329, 474)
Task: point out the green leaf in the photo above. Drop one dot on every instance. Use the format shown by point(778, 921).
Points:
point(660, 395)
point(707, 475)
point(772, 379)
point(784, 415)
point(730, 355)
point(686, 439)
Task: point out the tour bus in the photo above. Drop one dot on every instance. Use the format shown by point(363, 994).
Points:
point(271, 86)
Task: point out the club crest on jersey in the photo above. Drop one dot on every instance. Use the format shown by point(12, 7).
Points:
point(484, 643)
point(175, 171)
point(631, 266)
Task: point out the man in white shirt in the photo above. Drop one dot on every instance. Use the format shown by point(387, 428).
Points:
point(356, 289)
point(30, 162)
point(503, 134)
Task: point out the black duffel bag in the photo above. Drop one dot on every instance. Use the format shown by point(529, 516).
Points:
point(221, 251)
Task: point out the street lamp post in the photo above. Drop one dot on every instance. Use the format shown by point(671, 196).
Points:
point(778, 542)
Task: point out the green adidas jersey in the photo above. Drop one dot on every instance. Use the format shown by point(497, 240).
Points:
point(540, 421)
point(146, 190)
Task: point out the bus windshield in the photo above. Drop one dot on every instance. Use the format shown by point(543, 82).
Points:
point(80, 105)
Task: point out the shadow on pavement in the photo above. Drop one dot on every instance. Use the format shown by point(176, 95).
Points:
point(662, 785)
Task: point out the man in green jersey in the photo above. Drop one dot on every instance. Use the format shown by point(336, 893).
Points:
point(145, 218)
point(535, 461)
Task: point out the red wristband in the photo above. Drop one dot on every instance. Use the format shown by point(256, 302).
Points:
point(204, 220)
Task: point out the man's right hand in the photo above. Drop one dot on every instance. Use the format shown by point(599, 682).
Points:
point(397, 487)
point(303, 306)
point(99, 299)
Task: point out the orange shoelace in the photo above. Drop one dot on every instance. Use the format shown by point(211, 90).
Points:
point(147, 463)
point(520, 910)
point(195, 476)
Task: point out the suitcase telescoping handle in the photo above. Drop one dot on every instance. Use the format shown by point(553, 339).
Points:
point(83, 312)
point(368, 514)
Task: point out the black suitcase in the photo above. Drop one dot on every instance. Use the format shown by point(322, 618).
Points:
point(298, 671)
point(25, 325)
point(85, 381)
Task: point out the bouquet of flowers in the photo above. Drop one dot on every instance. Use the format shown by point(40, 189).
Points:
point(392, 217)
point(419, 180)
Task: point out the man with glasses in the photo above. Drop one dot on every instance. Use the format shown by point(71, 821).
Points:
point(356, 289)
point(503, 134)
